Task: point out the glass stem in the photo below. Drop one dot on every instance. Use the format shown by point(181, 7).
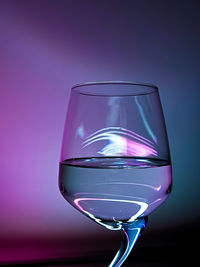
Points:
point(131, 234)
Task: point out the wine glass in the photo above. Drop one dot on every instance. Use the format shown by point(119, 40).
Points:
point(115, 162)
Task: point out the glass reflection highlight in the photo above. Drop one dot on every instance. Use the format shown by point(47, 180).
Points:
point(141, 205)
point(121, 142)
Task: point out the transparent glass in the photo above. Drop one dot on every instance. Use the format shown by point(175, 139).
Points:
point(115, 163)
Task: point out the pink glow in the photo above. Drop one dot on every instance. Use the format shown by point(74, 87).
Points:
point(37, 70)
point(137, 149)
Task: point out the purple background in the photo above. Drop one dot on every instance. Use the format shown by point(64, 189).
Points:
point(45, 48)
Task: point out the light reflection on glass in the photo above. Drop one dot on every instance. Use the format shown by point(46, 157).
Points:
point(142, 206)
point(121, 142)
point(80, 131)
point(155, 188)
point(130, 243)
point(144, 119)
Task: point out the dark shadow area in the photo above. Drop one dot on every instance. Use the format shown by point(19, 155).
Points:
point(169, 247)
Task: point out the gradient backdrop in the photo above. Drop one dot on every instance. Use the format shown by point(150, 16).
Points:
point(45, 48)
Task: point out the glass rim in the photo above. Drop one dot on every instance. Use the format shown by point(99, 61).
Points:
point(151, 88)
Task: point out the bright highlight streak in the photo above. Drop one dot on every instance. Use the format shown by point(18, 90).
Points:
point(143, 206)
point(155, 188)
point(122, 142)
point(134, 240)
point(122, 131)
point(131, 239)
point(144, 119)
